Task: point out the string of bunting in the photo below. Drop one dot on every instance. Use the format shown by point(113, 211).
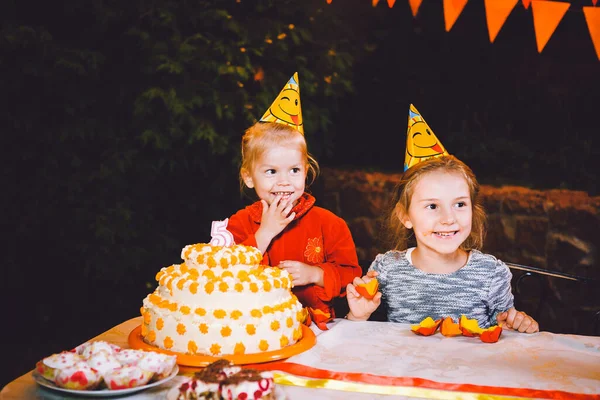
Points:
point(546, 14)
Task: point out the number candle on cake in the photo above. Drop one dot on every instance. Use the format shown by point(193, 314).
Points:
point(220, 235)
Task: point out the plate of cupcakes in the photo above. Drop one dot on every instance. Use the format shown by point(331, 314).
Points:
point(101, 369)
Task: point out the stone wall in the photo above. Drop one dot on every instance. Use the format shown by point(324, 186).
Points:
point(554, 230)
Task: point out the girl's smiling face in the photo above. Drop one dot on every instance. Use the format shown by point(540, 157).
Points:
point(280, 171)
point(440, 212)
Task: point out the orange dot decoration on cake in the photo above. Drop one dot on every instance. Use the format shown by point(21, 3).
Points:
point(221, 301)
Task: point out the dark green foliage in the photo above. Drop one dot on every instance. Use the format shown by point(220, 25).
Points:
point(127, 116)
point(121, 133)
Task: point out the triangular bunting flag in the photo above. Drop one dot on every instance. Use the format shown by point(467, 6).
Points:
point(328, 1)
point(496, 12)
point(286, 109)
point(594, 2)
point(452, 10)
point(375, 2)
point(391, 3)
point(546, 17)
point(414, 6)
point(592, 17)
point(526, 3)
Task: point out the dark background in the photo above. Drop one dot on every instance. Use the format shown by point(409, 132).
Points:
point(108, 173)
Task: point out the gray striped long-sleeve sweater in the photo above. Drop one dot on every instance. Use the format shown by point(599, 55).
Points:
point(481, 289)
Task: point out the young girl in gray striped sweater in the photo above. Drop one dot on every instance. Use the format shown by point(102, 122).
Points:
point(445, 275)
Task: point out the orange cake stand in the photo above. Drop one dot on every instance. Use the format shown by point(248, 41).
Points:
point(307, 341)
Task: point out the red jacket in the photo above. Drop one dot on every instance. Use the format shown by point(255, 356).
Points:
point(315, 237)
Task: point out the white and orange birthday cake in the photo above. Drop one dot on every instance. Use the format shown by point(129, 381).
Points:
point(221, 301)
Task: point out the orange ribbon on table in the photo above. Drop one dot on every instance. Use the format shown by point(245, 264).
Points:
point(292, 374)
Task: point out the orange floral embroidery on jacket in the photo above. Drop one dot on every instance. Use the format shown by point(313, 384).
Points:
point(314, 250)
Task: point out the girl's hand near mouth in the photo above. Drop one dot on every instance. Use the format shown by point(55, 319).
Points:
point(275, 217)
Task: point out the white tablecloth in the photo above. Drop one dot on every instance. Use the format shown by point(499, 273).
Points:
point(542, 360)
point(560, 366)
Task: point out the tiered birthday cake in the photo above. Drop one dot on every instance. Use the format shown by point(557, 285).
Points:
point(221, 301)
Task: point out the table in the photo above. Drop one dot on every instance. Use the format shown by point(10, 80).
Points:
point(374, 360)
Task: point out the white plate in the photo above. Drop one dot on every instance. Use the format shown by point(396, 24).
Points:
point(102, 392)
point(173, 393)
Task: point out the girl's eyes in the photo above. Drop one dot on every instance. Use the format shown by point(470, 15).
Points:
point(460, 204)
point(272, 171)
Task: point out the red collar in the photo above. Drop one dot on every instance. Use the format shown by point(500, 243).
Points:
point(305, 203)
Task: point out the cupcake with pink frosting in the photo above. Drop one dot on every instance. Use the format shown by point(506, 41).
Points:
point(129, 356)
point(51, 365)
point(88, 349)
point(103, 362)
point(127, 377)
point(79, 376)
point(161, 365)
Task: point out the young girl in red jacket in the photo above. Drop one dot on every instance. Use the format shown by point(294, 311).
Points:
point(311, 243)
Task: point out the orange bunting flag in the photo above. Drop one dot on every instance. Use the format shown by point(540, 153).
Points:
point(391, 3)
point(592, 17)
point(414, 6)
point(526, 3)
point(328, 1)
point(452, 10)
point(375, 2)
point(546, 17)
point(594, 2)
point(496, 13)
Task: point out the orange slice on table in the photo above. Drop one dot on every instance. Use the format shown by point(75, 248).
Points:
point(469, 327)
point(368, 290)
point(491, 334)
point(426, 327)
point(450, 328)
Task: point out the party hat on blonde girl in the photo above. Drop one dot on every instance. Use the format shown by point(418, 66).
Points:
point(421, 142)
point(286, 108)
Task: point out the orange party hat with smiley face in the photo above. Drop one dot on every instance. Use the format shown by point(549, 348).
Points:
point(421, 142)
point(286, 108)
